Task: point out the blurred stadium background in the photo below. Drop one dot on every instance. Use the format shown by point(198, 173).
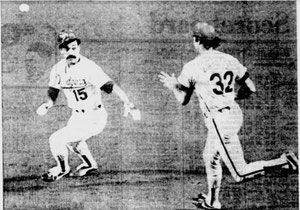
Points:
point(133, 42)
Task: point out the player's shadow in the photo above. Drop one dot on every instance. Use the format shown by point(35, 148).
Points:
point(108, 178)
point(245, 208)
point(22, 184)
point(20, 178)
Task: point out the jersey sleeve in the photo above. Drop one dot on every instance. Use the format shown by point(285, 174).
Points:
point(185, 76)
point(99, 77)
point(237, 68)
point(54, 78)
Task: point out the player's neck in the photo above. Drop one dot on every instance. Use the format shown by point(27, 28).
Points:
point(204, 51)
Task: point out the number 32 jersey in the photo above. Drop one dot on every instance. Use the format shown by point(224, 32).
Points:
point(214, 74)
point(80, 83)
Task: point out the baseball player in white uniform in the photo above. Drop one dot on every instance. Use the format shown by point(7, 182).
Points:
point(212, 75)
point(82, 82)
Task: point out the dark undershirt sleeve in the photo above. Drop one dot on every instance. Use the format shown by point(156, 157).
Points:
point(242, 80)
point(188, 90)
point(107, 87)
point(53, 93)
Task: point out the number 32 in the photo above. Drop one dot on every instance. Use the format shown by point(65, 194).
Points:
point(227, 79)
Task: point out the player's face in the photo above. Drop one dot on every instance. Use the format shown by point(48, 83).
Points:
point(198, 47)
point(196, 44)
point(71, 53)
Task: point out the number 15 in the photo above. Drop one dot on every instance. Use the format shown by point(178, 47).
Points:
point(80, 94)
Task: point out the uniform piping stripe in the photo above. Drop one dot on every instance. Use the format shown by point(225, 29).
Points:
point(244, 175)
point(223, 144)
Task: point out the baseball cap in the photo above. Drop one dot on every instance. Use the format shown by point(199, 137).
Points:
point(65, 37)
point(204, 30)
point(207, 35)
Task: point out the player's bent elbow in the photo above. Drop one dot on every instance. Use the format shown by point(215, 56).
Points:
point(185, 101)
point(187, 97)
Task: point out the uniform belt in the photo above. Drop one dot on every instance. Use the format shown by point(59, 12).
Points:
point(222, 109)
point(84, 110)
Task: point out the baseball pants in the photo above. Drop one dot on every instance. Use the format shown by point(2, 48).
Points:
point(223, 143)
point(82, 125)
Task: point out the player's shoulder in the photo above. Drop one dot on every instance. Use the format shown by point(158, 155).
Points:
point(88, 62)
point(225, 56)
point(192, 64)
point(91, 67)
point(59, 66)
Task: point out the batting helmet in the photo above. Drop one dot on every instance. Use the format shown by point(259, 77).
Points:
point(65, 37)
point(206, 34)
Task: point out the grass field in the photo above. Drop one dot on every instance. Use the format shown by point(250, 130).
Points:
point(146, 190)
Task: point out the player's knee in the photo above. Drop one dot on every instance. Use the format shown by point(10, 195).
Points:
point(212, 159)
point(81, 147)
point(207, 161)
point(55, 140)
point(206, 157)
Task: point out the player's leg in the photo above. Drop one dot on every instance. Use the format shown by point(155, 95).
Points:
point(88, 162)
point(88, 124)
point(243, 171)
point(60, 142)
point(213, 169)
point(233, 157)
point(232, 154)
point(59, 151)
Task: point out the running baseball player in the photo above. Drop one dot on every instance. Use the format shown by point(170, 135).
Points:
point(82, 82)
point(212, 75)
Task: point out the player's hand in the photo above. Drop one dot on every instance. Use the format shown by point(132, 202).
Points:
point(130, 108)
point(168, 81)
point(43, 109)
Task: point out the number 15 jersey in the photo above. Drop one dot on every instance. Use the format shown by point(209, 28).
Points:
point(214, 74)
point(80, 83)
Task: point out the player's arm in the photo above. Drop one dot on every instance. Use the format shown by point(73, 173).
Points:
point(188, 92)
point(129, 107)
point(246, 88)
point(182, 93)
point(52, 94)
point(123, 96)
point(110, 87)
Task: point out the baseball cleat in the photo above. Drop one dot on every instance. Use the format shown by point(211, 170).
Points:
point(52, 175)
point(292, 160)
point(84, 170)
point(200, 202)
point(201, 198)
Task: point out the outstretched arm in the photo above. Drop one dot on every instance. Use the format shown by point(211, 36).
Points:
point(121, 94)
point(182, 94)
point(128, 106)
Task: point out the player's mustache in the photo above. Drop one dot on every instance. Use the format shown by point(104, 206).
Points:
point(70, 57)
